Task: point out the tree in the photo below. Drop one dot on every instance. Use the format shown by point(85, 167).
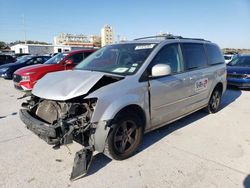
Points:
point(27, 42)
point(2, 45)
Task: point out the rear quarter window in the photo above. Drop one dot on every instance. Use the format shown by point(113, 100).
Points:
point(214, 54)
point(194, 55)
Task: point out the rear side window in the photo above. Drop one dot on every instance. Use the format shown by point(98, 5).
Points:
point(194, 55)
point(2, 58)
point(38, 60)
point(46, 59)
point(214, 54)
point(9, 58)
point(31, 61)
point(77, 58)
point(86, 54)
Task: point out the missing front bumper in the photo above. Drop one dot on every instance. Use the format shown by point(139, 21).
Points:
point(48, 133)
point(41, 129)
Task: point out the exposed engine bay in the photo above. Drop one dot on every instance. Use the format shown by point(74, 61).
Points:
point(62, 122)
point(60, 115)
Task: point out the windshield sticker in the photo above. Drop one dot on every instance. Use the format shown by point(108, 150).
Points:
point(142, 47)
point(120, 70)
point(132, 69)
point(201, 84)
point(135, 65)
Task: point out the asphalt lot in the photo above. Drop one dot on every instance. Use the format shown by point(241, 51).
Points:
point(197, 151)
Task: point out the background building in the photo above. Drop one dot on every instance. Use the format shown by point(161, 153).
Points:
point(40, 49)
point(107, 35)
point(96, 40)
point(77, 40)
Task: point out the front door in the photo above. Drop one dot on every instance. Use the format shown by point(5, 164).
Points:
point(169, 94)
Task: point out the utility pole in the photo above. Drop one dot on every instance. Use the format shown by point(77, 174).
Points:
point(24, 28)
point(118, 38)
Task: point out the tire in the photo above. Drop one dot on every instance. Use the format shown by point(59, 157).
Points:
point(214, 101)
point(125, 137)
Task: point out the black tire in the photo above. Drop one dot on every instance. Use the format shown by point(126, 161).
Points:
point(125, 136)
point(214, 101)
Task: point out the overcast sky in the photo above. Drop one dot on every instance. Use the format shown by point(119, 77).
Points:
point(225, 22)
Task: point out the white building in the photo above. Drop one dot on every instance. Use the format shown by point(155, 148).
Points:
point(40, 49)
point(107, 35)
point(64, 38)
point(77, 40)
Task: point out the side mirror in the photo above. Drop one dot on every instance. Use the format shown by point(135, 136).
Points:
point(69, 62)
point(161, 70)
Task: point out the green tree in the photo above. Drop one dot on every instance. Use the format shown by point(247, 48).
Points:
point(2, 45)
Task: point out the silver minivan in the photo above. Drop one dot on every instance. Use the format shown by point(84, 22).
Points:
point(121, 92)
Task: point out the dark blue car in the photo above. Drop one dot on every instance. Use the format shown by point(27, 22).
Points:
point(7, 70)
point(238, 72)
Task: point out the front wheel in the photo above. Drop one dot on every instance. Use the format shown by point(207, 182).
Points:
point(214, 101)
point(125, 137)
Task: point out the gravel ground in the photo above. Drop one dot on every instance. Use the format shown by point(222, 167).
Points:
point(197, 151)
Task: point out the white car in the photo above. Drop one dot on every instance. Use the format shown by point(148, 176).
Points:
point(228, 57)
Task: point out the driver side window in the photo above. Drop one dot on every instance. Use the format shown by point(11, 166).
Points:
point(77, 58)
point(31, 62)
point(170, 55)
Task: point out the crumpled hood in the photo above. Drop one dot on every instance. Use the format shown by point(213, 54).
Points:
point(66, 85)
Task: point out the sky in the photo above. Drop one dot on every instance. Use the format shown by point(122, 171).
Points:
point(225, 22)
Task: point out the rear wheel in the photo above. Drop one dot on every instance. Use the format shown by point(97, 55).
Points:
point(125, 137)
point(214, 101)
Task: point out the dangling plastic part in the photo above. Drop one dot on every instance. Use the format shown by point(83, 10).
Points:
point(82, 161)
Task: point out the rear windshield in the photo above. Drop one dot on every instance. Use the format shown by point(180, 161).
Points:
point(56, 59)
point(228, 57)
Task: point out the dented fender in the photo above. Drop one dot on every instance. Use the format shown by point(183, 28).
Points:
point(113, 108)
point(102, 129)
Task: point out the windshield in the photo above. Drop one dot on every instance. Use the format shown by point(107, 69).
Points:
point(227, 57)
point(24, 59)
point(122, 59)
point(243, 61)
point(56, 59)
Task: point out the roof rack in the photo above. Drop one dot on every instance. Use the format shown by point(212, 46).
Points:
point(164, 36)
point(169, 36)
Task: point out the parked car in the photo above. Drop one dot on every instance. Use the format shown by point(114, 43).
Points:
point(121, 92)
point(18, 56)
point(4, 59)
point(25, 78)
point(238, 72)
point(229, 57)
point(7, 70)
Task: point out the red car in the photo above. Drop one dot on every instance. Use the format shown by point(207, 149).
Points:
point(26, 78)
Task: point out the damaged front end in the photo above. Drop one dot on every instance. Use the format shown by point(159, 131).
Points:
point(62, 122)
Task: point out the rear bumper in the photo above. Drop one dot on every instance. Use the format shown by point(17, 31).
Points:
point(41, 129)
